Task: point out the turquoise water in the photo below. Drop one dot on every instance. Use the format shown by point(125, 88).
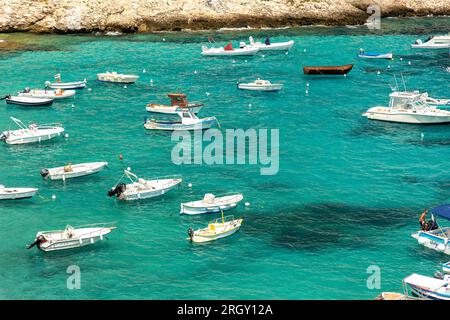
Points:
point(347, 195)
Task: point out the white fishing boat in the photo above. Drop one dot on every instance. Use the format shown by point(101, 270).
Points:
point(142, 189)
point(178, 102)
point(71, 237)
point(65, 85)
point(446, 267)
point(31, 133)
point(116, 77)
point(47, 94)
point(270, 46)
point(260, 85)
point(424, 287)
point(210, 204)
point(405, 107)
point(188, 121)
point(217, 229)
point(432, 235)
point(16, 193)
point(73, 170)
point(228, 50)
point(374, 55)
point(441, 42)
point(28, 101)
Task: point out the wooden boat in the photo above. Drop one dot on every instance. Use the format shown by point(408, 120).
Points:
point(178, 102)
point(73, 170)
point(219, 228)
point(28, 101)
point(65, 85)
point(48, 94)
point(116, 77)
point(16, 193)
point(210, 203)
point(327, 70)
point(188, 121)
point(71, 237)
point(31, 133)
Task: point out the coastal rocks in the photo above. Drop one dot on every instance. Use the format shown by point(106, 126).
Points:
point(155, 15)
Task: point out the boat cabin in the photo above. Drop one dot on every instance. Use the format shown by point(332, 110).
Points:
point(178, 99)
point(402, 99)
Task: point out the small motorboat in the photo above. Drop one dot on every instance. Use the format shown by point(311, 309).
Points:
point(374, 55)
point(210, 203)
point(188, 121)
point(228, 50)
point(327, 70)
point(28, 101)
point(71, 237)
point(16, 193)
point(424, 287)
point(433, 43)
point(32, 133)
point(116, 77)
point(178, 102)
point(142, 189)
point(408, 107)
point(73, 170)
point(271, 46)
point(47, 94)
point(65, 85)
point(217, 229)
point(260, 85)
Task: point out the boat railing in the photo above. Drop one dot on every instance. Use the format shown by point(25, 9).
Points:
point(224, 219)
point(92, 225)
point(47, 125)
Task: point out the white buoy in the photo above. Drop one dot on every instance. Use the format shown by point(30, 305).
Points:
point(247, 204)
point(409, 62)
point(66, 135)
point(245, 60)
point(287, 52)
point(345, 75)
point(249, 104)
point(128, 169)
point(401, 59)
point(421, 136)
point(89, 89)
point(164, 39)
point(234, 61)
point(53, 197)
point(151, 82)
point(378, 72)
point(307, 91)
point(73, 106)
point(125, 86)
point(190, 185)
point(207, 93)
point(307, 84)
point(263, 56)
point(304, 50)
point(144, 71)
point(195, 71)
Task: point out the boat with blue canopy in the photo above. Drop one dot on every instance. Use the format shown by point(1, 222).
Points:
point(431, 234)
point(374, 55)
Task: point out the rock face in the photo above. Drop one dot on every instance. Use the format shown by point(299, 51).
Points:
point(156, 15)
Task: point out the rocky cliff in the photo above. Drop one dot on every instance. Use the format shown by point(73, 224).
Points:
point(156, 15)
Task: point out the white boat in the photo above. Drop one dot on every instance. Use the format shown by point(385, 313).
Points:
point(71, 237)
point(446, 267)
point(65, 85)
point(434, 101)
point(142, 189)
point(178, 102)
point(217, 229)
point(188, 121)
point(210, 203)
point(31, 133)
point(424, 287)
point(116, 77)
point(271, 46)
point(405, 107)
point(16, 193)
point(374, 55)
point(441, 42)
point(260, 85)
point(228, 50)
point(28, 101)
point(47, 94)
point(73, 170)
point(432, 235)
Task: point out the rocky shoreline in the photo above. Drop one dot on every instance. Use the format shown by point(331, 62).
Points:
point(85, 16)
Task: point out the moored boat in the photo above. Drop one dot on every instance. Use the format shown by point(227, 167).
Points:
point(28, 101)
point(441, 42)
point(73, 170)
point(188, 121)
point(65, 85)
point(16, 193)
point(327, 70)
point(228, 50)
point(394, 296)
point(210, 204)
point(71, 237)
point(217, 229)
point(31, 133)
point(260, 85)
point(178, 102)
point(48, 94)
point(117, 77)
point(374, 55)
point(271, 46)
point(424, 287)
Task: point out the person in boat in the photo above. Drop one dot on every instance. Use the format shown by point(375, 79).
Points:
point(211, 39)
point(68, 168)
point(229, 47)
point(427, 225)
point(242, 44)
point(267, 41)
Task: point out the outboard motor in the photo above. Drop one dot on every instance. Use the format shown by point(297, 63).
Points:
point(118, 190)
point(6, 97)
point(190, 233)
point(439, 275)
point(3, 136)
point(44, 173)
point(39, 240)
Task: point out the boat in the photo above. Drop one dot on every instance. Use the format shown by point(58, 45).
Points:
point(178, 102)
point(16, 193)
point(65, 85)
point(374, 55)
point(446, 267)
point(228, 50)
point(188, 121)
point(73, 170)
point(217, 229)
point(71, 237)
point(260, 85)
point(47, 94)
point(28, 101)
point(327, 70)
point(394, 296)
point(424, 287)
point(441, 42)
point(271, 46)
point(116, 77)
point(434, 101)
point(142, 189)
point(32, 133)
point(210, 203)
point(407, 107)
point(432, 235)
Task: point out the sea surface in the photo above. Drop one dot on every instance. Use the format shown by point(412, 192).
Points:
point(347, 195)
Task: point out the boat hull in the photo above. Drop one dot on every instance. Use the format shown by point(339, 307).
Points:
point(431, 241)
point(186, 209)
point(383, 114)
point(170, 109)
point(327, 70)
point(17, 193)
point(278, 46)
point(230, 53)
point(387, 56)
point(13, 140)
point(68, 85)
point(178, 126)
point(49, 94)
point(123, 80)
point(268, 88)
point(203, 238)
point(28, 102)
point(89, 168)
point(147, 194)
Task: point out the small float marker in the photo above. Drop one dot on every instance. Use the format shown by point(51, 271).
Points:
point(287, 52)
point(389, 67)
point(245, 60)
point(164, 39)
point(421, 136)
point(73, 106)
point(207, 93)
point(409, 62)
point(53, 197)
point(125, 86)
point(234, 61)
point(195, 71)
point(151, 82)
point(345, 75)
point(120, 157)
point(190, 185)
point(263, 56)
point(144, 71)
point(247, 204)
point(249, 104)
point(304, 50)
point(307, 92)
point(401, 59)
point(89, 89)
point(128, 169)
point(66, 135)
point(378, 72)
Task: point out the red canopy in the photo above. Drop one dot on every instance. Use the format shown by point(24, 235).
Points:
point(228, 46)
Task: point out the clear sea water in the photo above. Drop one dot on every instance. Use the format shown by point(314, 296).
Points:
point(347, 196)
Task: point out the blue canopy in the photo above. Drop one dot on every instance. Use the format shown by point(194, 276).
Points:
point(442, 211)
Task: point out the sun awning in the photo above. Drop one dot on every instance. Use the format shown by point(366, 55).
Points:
point(429, 283)
point(442, 211)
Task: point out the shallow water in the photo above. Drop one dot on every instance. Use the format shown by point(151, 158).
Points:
point(347, 196)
